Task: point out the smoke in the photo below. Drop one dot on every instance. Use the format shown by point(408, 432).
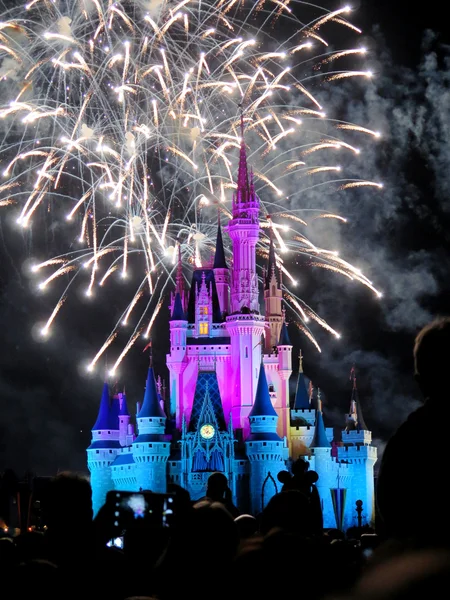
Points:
point(397, 236)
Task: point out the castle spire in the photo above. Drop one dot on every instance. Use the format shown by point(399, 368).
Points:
point(355, 419)
point(151, 406)
point(262, 407)
point(320, 439)
point(272, 270)
point(302, 393)
point(219, 256)
point(105, 419)
point(243, 187)
point(179, 282)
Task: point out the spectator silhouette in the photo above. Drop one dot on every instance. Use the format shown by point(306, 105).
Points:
point(304, 480)
point(217, 490)
point(203, 548)
point(414, 476)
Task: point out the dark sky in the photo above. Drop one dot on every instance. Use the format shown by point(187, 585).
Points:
point(399, 237)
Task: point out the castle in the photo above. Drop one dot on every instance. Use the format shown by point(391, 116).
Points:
point(230, 408)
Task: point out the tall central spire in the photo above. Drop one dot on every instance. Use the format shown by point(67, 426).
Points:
point(244, 233)
point(243, 184)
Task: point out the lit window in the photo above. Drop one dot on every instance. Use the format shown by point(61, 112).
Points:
point(203, 330)
point(204, 311)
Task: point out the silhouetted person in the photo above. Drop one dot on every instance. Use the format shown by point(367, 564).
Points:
point(304, 480)
point(414, 475)
point(217, 490)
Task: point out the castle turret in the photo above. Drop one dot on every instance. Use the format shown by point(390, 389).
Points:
point(273, 297)
point(150, 449)
point(322, 463)
point(266, 450)
point(357, 450)
point(303, 416)
point(221, 273)
point(126, 430)
point(354, 419)
point(176, 360)
point(284, 372)
point(103, 450)
point(245, 325)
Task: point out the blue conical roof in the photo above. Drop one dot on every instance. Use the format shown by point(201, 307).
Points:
point(301, 393)
point(178, 312)
point(320, 439)
point(284, 336)
point(219, 257)
point(105, 418)
point(262, 406)
point(151, 406)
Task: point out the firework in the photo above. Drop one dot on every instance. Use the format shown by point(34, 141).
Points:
point(123, 124)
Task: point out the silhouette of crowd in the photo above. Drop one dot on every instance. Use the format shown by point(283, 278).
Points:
point(208, 550)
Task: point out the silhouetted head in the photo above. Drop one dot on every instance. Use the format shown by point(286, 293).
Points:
point(300, 466)
point(217, 484)
point(432, 357)
point(67, 503)
point(247, 525)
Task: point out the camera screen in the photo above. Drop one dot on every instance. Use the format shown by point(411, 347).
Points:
point(153, 509)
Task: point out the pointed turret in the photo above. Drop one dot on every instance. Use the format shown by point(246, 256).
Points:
point(272, 269)
point(179, 282)
point(151, 406)
point(105, 418)
point(219, 256)
point(178, 312)
point(302, 397)
point(266, 450)
point(104, 447)
point(242, 181)
point(262, 406)
point(320, 439)
point(284, 336)
point(150, 448)
point(355, 419)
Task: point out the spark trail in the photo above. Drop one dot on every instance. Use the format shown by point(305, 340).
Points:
point(123, 126)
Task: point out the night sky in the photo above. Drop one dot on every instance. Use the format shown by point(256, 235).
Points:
point(399, 237)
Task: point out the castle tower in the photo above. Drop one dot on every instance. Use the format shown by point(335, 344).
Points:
point(221, 273)
point(357, 449)
point(176, 360)
point(266, 450)
point(245, 324)
point(103, 450)
point(284, 372)
point(323, 464)
point(273, 297)
point(303, 416)
point(150, 449)
point(126, 430)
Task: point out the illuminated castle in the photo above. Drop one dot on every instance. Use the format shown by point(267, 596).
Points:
point(230, 409)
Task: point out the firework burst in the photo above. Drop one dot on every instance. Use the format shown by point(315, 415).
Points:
point(123, 123)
